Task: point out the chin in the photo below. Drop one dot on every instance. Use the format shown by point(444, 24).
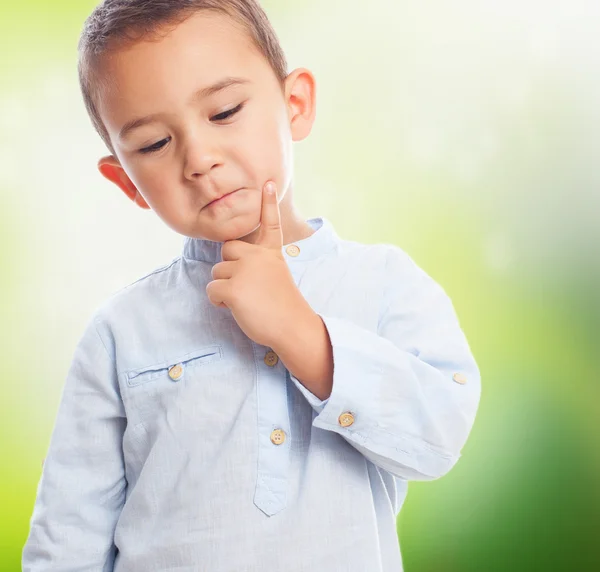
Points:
point(235, 228)
point(241, 227)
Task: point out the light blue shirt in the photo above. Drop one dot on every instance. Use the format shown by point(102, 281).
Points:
point(182, 445)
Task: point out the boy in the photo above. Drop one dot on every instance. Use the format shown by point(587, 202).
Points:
point(260, 402)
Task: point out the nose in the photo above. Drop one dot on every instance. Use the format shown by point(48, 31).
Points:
point(200, 157)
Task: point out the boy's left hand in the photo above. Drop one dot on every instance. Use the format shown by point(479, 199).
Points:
point(255, 283)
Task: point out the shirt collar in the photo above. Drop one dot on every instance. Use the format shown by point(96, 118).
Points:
point(319, 243)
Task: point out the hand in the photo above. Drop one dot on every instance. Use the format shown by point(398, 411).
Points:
point(255, 283)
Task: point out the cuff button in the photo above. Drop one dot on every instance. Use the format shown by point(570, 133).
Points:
point(460, 378)
point(346, 419)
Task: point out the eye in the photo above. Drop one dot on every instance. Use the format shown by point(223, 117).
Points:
point(227, 114)
point(156, 147)
point(220, 117)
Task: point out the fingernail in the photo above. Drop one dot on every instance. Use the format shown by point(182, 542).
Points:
point(270, 188)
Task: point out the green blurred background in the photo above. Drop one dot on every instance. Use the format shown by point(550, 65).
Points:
point(466, 132)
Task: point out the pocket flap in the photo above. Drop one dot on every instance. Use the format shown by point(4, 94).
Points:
point(199, 356)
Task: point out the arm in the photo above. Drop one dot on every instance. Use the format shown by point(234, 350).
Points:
point(82, 487)
point(411, 413)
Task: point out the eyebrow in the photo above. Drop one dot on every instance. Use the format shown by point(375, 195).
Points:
point(196, 96)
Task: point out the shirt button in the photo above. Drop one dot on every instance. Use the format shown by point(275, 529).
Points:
point(278, 436)
point(293, 250)
point(459, 378)
point(271, 358)
point(346, 419)
point(175, 372)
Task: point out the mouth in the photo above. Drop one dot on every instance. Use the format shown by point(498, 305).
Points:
point(222, 199)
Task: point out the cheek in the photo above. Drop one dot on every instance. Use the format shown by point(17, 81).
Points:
point(147, 174)
point(151, 181)
point(159, 191)
point(268, 152)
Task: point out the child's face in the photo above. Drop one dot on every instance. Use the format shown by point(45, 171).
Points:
point(199, 155)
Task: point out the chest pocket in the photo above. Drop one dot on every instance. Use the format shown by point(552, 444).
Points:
point(173, 369)
point(158, 389)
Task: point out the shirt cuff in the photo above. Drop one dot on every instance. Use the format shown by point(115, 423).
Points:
point(355, 376)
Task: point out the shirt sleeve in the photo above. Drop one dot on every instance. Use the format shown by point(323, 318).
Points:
point(82, 487)
point(412, 389)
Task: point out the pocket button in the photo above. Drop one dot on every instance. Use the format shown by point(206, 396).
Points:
point(175, 372)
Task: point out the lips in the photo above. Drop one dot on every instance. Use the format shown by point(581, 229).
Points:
point(221, 197)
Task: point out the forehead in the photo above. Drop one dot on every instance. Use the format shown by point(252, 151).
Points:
point(151, 75)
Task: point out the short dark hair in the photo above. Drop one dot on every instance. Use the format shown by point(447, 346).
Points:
point(117, 23)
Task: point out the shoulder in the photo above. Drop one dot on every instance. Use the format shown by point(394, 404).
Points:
point(142, 293)
point(403, 279)
point(355, 252)
point(391, 259)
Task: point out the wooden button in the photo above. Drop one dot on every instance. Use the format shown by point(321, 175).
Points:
point(278, 436)
point(460, 378)
point(271, 358)
point(293, 250)
point(346, 419)
point(175, 372)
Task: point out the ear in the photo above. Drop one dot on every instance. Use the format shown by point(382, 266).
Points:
point(300, 94)
point(110, 168)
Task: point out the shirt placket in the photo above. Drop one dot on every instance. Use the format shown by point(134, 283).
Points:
point(270, 494)
point(274, 437)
